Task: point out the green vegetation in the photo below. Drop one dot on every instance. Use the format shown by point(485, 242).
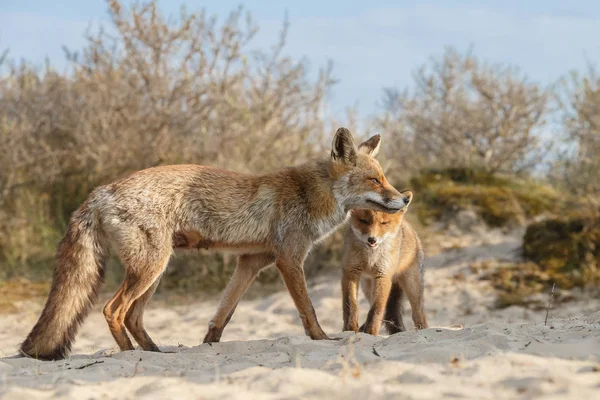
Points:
point(498, 200)
point(568, 249)
point(564, 251)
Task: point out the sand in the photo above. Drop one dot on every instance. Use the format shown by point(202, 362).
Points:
point(471, 350)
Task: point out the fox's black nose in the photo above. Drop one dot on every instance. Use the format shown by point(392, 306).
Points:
point(372, 240)
point(406, 200)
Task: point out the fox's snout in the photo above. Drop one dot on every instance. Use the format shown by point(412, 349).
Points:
point(398, 202)
point(373, 234)
point(371, 240)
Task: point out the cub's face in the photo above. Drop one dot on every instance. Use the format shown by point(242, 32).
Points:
point(375, 227)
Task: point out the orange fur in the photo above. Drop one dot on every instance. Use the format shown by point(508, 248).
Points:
point(268, 218)
point(386, 252)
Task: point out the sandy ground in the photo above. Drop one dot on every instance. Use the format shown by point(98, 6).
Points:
point(471, 351)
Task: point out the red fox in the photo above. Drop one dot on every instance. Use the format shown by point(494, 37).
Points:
point(385, 251)
point(269, 218)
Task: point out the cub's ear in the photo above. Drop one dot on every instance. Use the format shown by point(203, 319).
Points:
point(371, 146)
point(343, 149)
point(408, 196)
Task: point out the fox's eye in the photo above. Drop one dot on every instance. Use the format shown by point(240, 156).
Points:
point(375, 181)
point(385, 222)
point(363, 221)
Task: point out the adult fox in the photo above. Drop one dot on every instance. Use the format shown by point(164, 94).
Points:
point(268, 218)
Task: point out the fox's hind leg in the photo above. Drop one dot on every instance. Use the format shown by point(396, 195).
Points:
point(248, 267)
point(412, 283)
point(393, 310)
point(134, 320)
point(115, 311)
point(117, 330)
point(144, 262)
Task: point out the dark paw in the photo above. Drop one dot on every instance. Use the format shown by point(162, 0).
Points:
point(151, 347)
point(212, 336)
point(319, 336)
point(394, 328)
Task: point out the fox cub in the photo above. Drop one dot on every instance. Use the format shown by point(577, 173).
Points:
point(385, 253)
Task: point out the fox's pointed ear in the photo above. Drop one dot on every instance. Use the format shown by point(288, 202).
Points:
point(371, 146)
point(408, 196)
point(343, 149)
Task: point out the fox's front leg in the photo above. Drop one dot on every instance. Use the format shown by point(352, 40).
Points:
point(381, 291)
point(292, 271)
point(350, 280)
point(248, 267)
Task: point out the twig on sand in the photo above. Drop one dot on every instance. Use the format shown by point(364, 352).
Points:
point(534, 338)
point(549, 304)
point(89, 364)
point(375, 351)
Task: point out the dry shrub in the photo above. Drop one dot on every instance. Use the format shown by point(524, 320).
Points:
point(578, 167)
point(463, 112)
point(146, 91)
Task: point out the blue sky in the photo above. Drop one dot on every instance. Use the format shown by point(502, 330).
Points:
point(373, 44)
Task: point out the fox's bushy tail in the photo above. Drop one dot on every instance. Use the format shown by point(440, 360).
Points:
point(78, 275)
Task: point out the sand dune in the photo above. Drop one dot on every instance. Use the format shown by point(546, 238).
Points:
point(471, 350)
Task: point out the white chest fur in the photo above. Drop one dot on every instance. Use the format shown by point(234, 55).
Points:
point(329, 224)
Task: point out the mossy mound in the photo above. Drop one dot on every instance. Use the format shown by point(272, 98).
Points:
point(568, 248)
point(498, 200)
point(565, 252)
